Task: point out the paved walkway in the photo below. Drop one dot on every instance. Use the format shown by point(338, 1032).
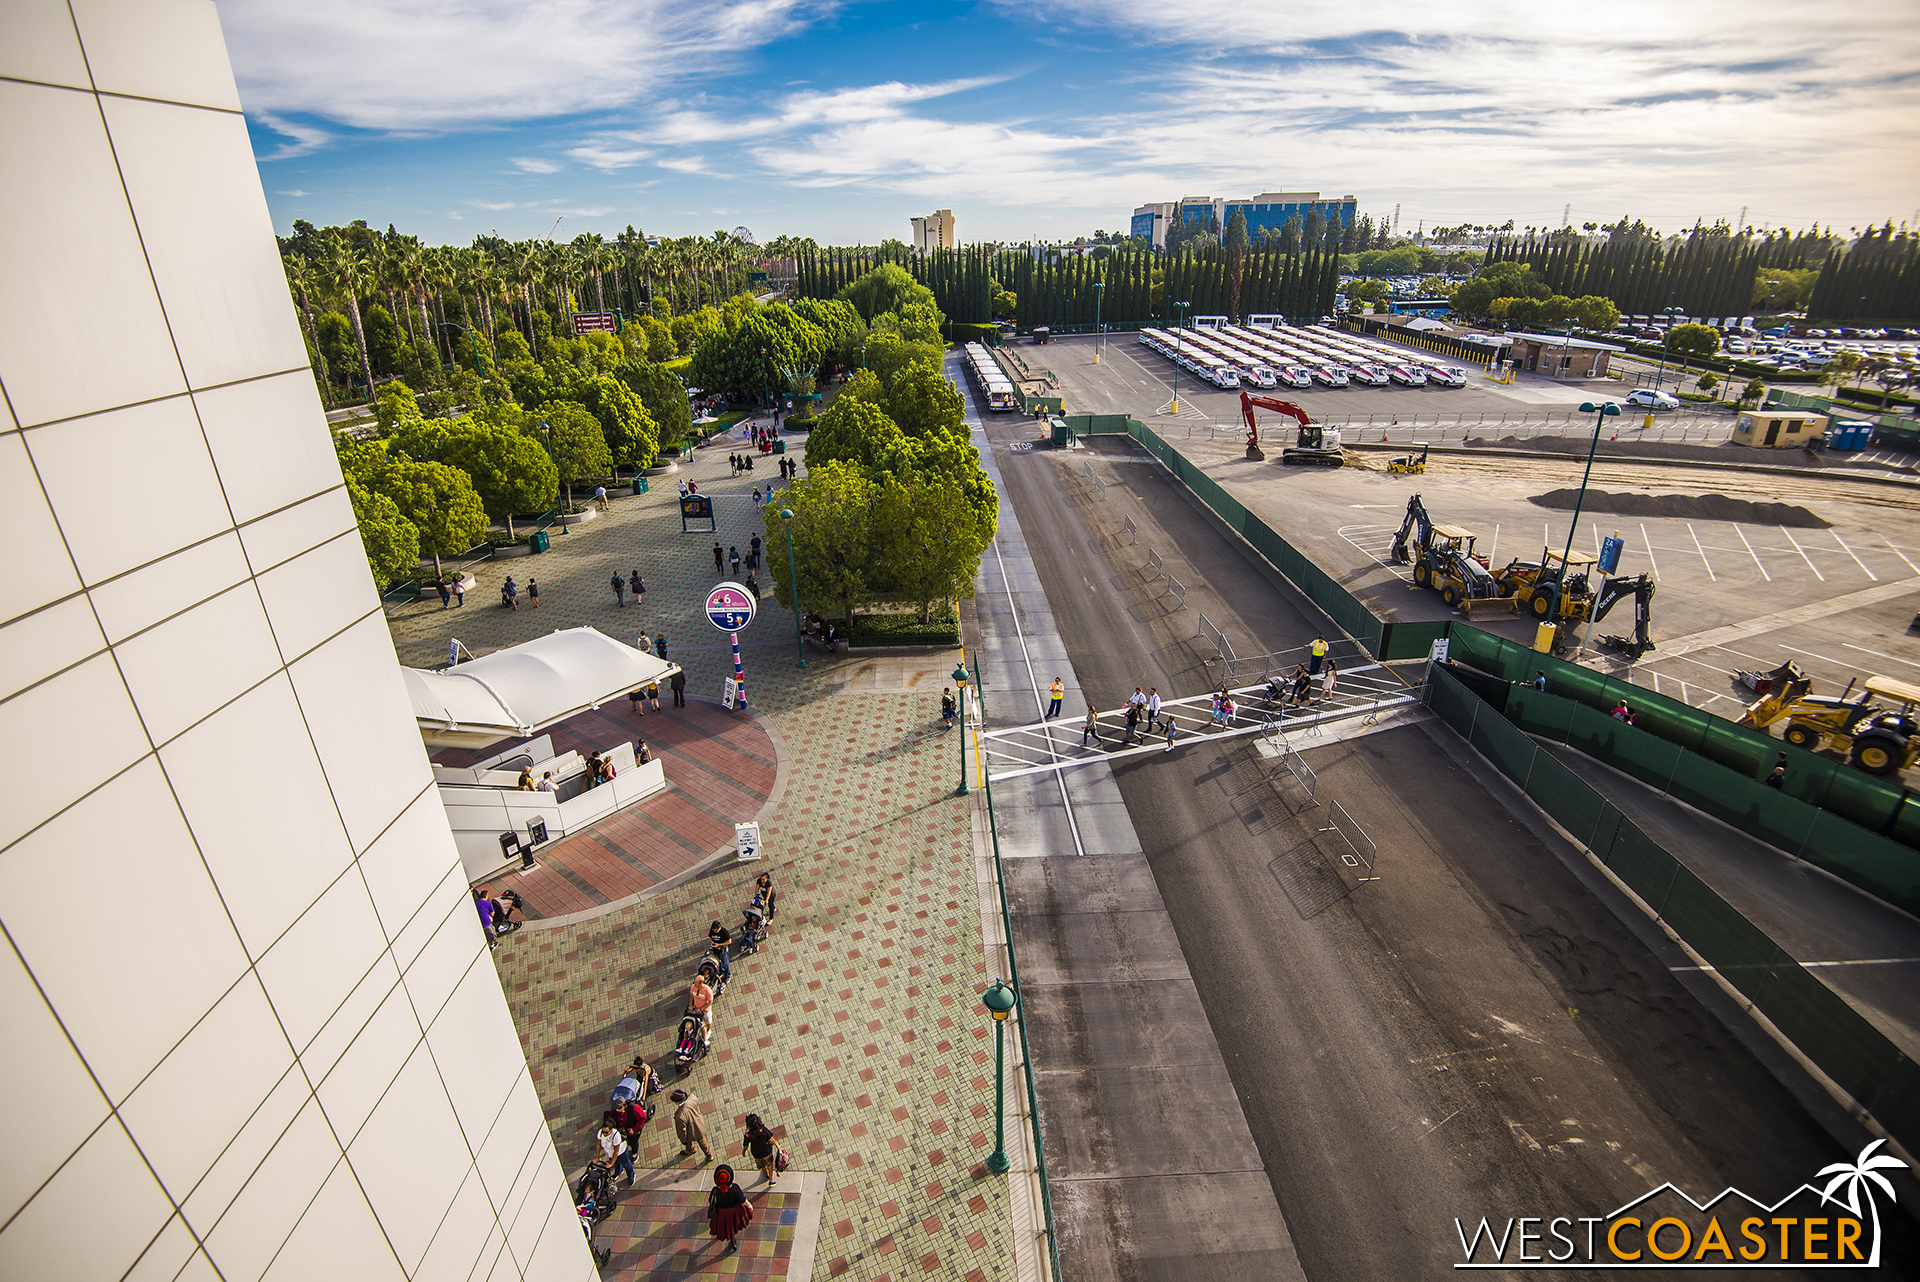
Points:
point(721, 769)
point(856, 1032)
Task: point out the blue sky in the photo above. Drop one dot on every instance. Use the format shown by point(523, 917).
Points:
point(842, 120)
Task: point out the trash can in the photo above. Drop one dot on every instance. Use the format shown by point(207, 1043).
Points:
point(639, 485)
point(539, 541)
point(1061, 434)
point(1543, 638)
point(779, 446)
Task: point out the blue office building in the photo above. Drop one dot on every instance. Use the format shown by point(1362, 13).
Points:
point(1269, 211)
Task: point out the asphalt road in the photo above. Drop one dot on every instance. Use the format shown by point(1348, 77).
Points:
point(1475, 1033)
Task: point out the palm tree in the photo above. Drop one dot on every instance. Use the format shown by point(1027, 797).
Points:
point(528, 270)
point(591, 249)
point(384, 263)
point(304, 283)
point(1855, 1175)
point(347, 273)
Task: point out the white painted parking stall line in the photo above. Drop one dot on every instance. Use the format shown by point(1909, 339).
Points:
point(1902, 555)
point(1648, 544)
point(1703, 554)
point(1803, 554)
point(1754, 555)
point(1827, 658)
point(1850, 552)
point(1876, 654)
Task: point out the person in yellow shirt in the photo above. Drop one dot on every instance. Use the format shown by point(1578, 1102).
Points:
point(1056, 693)
point(1317, 655)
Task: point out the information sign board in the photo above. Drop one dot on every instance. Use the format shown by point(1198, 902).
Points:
point(730, 607)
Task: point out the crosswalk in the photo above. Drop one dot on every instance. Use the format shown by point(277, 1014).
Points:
point(1036, 747)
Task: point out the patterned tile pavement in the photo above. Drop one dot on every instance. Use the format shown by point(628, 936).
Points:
point(856, 1031)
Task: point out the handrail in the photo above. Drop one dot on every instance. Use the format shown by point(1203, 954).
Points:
point(1026, 1050)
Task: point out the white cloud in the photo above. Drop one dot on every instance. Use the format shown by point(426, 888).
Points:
point(295, 192)
point(495, 205)
point(532, 165)
point(606, 159)
point(306, 138)
point(358, 62)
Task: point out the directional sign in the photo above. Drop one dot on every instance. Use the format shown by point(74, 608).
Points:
point(595, 323)
point(730, 607)
point(746, 841)
point(1610, 548)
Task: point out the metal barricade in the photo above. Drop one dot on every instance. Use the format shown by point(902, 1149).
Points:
point(1177, 589)
point(1130, 530)
point(1098, 484)
point(1222, 649)
point(1364, 854)
point(1153, 561)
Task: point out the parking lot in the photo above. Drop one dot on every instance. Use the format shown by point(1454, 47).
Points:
point(1733, 594)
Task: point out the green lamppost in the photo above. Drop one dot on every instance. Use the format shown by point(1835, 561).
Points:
point(1601, 413)
point(1178, 326)
point(793, 587)
point(999, 1001)
point(1666, 340)
point(479, 355)
point(960, 679)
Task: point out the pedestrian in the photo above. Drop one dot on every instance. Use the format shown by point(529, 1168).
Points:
point(459, 592)
point(1301, 680)
point(759, 1144)
point(733, 560)
point(1133, 721)
point(646, 644)
point(653, 695)
point(619, 589)
point(660, 644)
point(533, 593)
point(1169, 732)
point(446, 596)
point(693, 487)
point(600, 497)
point(1328, 678)
point(756, 496)
point(641, 753)
point(719, 561)
point(733, 464)
point(679, 683)
point(1091, 728)
point(748, 459)
point(683, 489)
point(753, 552)
point(946, 708)
point(1620, 711)
point(525, 783)
point(1778, 779)
point(1317, 654)
point(510, 594)
point(547, 784)
point(1153, 707)
point(637, 586)
point(689, 1127)
point(610, 1149)
point(628, 1118)
point(1539, 682)
point(728, 1210)
point(752, 585)
point(1055, 692)
point(720, 939)
point(636, 697)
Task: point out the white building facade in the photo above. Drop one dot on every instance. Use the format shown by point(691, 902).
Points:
point(935, 231)
point(252, 1023)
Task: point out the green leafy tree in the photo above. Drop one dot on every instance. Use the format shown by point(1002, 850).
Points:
point(936, 526)
point(1693, 341)
point(1753, 393)
point(888, 354)
point(1473, 298)
point(391, 542)
point(665, 398)
point(833, 533)
point(1435, 287)
point(922, 402)
point(839, 322)
point(509, 470)
point(1368, 291)
point(690, 330)
point(1006, 305)
point(886, 288)
point(633, 438)
point(393, 405)
point(334, 334)
point(853, 431)
point(1595, 313)
point(577, 443)
point(441, 503)
point(916, 322)
point(384, 340)
point(510, 346)
point(658, 336)
point(1708, 381)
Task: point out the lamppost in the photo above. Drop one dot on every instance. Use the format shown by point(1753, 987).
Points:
point(478, 354)
point(960, 679)
point(766, 393)
point(1178, 326)
point(999, 1001)
point(793, 587)
point(1601, 413)
point(1099, 296)
point(1666, 340)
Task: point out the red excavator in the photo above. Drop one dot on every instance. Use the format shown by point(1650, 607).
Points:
point(1317, 446)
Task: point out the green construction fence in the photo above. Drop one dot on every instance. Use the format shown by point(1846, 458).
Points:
point(1845, 1045)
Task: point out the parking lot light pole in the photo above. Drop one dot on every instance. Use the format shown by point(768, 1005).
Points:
point(999, 1001)
point(1666, 340)
point(1601, 413)
point(793, 588)
point(1099, 296)
point(1177, 327)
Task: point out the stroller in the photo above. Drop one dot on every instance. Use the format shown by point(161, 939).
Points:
point(692, 1042)
point(753, 926)
point(640, 1084)
point(591, 1211)
point(595, 1188)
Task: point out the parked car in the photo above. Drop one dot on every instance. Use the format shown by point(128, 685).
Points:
point(1653, 399)
point(1407, 376)
point(1446, 376)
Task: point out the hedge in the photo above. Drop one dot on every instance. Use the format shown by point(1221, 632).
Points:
point(962, 332)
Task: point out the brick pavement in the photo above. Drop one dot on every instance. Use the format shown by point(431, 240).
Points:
point(856, 1031)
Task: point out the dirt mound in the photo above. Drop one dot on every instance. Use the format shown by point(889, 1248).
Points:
point(1684, 507)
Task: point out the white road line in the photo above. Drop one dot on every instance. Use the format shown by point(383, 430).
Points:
point(1702, 663)
point(1876, 654)
point(1850, 552)
point(1902, 555)
point(1827, 658)
point(1493, 553)
point(1013, 612)
point(1703, 554)
point(1754, 555)
point(1803, 554)
point(1648, 543)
